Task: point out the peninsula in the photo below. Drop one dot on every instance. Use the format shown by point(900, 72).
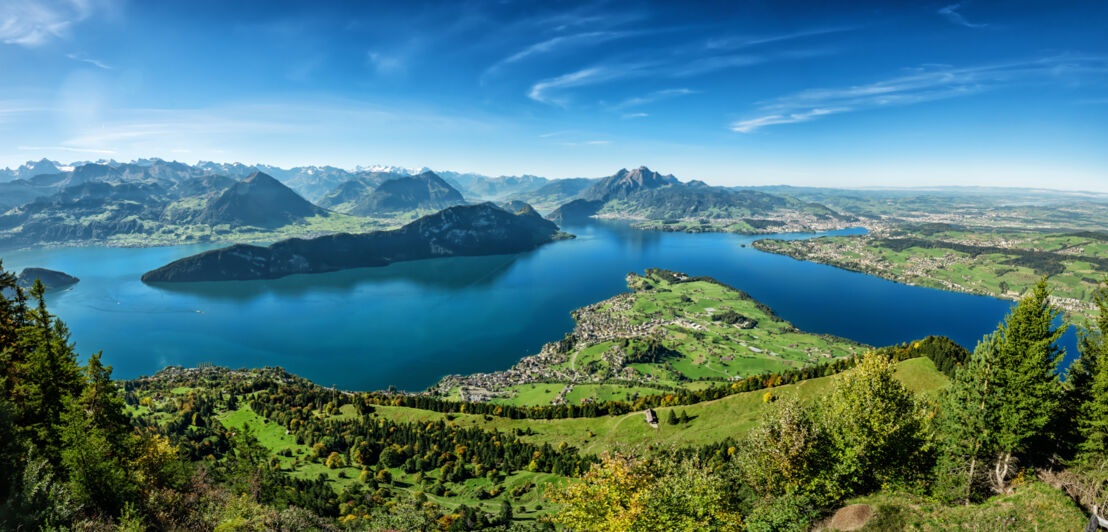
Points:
point(464, 230)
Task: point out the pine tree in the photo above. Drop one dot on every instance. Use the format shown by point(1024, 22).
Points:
point(105, 409)
point(505, 513)
point(672, 419)
point(1031, 388)
point(48, 378)
point(1092, 418)
point(967, 423)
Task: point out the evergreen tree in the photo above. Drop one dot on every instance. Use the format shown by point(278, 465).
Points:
point(1028, 358)
point(97, 476)
point(1092, 417)
point(505, 513)
point(672, 419)
point(967, 421)
point(48, 378)
point(106, 410)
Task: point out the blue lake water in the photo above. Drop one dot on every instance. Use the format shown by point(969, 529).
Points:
point(408, 324)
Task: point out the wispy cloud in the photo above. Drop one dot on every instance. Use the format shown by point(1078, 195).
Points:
point(628, 116)
point(546, 91)
point(558, 43)
point(89, 60)
point(682, 60)
point(32, 23)
point(920, 85)
point(652, 97)
point(746, 126)
point(951, 13)
point(737, 42)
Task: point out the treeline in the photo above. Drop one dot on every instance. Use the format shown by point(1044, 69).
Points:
point(943, 351)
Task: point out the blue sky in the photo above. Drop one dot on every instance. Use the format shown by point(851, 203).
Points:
point(821, 93)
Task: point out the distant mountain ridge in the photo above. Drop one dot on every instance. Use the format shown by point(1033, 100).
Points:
point(643, 194)
point(426, 191)
point(464, 230)
point(259, 200)
point(626, 182)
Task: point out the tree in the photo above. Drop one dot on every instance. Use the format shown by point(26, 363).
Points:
point(625, 493)
point(50, 376)
point(672, 419)
point(334, 461)
point(967, 423)
point(106, 410)
point(785, 452)
point(875, 425)
point(1092, 413)
point(97, 475)
point(1031, 391)
point(505, 517)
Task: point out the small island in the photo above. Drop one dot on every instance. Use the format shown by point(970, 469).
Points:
point(52, 279)
point(463, 230)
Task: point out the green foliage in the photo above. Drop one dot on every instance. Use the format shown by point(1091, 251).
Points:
point(97, 475)
point(38, 499)
point(625, 493)
point(1029, 358)
point(789, 512)
point(968, 424)
point(876, 427)
point(785, 452)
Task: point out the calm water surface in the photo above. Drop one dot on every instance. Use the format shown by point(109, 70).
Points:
point(408, 324)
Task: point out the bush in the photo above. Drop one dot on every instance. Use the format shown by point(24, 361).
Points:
point(789, 512)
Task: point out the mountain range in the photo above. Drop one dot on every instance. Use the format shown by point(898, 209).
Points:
point(643, 194)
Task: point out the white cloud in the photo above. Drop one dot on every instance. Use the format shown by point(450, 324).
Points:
point(32, 23)
point(732, 43)
point(629, 116)
point(746, 126)
point(652, 97)
point(89, 60)
point(951, 13)
point(556, 43)
point(921, 85)
point(546, 90)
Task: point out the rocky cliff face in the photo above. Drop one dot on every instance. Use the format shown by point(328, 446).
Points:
point(466, 230)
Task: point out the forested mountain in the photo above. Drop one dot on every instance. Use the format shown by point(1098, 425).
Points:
point(423, 192)
point(463, 230)
point(260, 201)
point(345, 196)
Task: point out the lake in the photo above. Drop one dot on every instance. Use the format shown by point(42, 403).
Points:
point(408, 324)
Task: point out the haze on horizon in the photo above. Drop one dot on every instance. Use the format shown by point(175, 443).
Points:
point(740, 93)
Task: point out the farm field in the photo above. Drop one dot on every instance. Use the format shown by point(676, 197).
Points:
point(998, 264)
